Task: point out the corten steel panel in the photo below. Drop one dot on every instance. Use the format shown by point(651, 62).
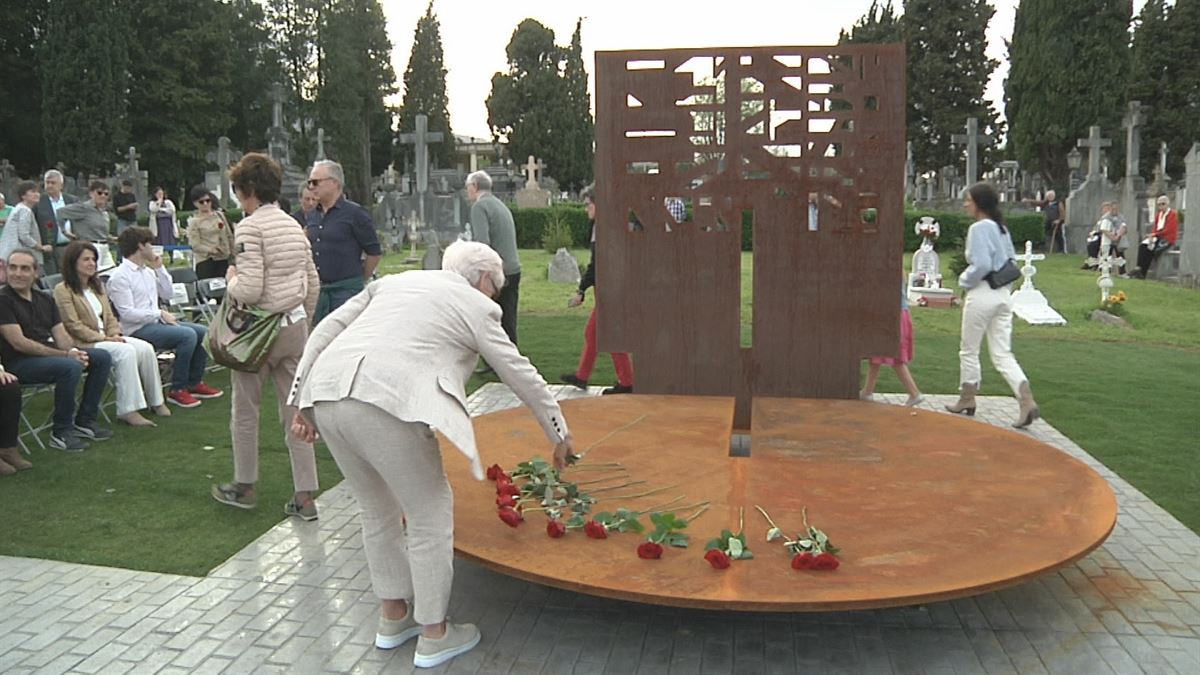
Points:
point(759, 133)
point(925, 506)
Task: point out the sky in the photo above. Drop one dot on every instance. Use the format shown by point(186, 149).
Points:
point(475, 33)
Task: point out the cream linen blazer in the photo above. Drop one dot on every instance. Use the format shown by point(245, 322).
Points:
point(407, 344)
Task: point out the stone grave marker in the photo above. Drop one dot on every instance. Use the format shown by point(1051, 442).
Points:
point(1028, 302)
point(1084, 203)
point(925, 280)
point(973, 140)
point(564, 268)
point(532, 196)
point(1189, 262)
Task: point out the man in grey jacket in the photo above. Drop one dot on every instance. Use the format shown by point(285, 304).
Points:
point(46, 214)
point(89, 220)
point(492, 224)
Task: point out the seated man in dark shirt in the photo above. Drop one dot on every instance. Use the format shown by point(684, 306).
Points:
point(37, 349)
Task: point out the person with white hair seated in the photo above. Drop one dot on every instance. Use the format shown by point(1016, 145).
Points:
point(378, 376)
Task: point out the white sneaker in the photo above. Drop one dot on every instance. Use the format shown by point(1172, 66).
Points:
point(394, 632)
point(460, 638)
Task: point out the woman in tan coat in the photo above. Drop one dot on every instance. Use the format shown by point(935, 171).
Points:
point(89, 320)
point(275, 272)
point(210, 236)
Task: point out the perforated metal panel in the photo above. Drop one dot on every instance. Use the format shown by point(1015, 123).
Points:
point(757, 134)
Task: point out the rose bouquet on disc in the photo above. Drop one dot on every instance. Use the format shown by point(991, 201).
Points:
point(723, 550)
point(810, 550)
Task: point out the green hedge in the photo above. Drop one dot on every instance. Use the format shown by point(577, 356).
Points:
point(1024, 226)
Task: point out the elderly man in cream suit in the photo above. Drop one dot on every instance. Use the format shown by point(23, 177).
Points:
point(377, 376)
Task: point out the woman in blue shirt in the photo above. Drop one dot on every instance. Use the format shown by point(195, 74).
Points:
point(988, 311)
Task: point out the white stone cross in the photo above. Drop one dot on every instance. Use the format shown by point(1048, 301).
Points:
point(1093, 143)
point(533, 168)
point(1028, 270)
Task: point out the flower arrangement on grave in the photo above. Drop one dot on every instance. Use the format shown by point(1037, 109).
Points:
point(1115, 303)
point(721, 551)
point(810, 550)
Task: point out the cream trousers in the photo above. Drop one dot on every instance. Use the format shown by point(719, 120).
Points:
point(244, 417)
point(134, 374)
point(395, 470)
point(988, 311)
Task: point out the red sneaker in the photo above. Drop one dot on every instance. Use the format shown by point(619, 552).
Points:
point(204, 391)
point(183, 398)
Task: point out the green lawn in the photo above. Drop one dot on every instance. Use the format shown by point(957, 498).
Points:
point(141, 500)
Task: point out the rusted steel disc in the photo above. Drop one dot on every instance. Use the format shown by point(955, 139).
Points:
point(924, 506)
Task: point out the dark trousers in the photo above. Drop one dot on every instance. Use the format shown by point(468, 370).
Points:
point(187, 341)
point(10, 414)
point(508, 304)
point(212, 269)
point(64, 373)
point(1146, 258)
point(1054, 238)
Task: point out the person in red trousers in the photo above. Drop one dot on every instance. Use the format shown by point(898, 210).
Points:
point(587, 360)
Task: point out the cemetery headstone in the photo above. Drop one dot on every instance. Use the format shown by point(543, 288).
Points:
point(1133, 186)
point(320, 144)
point(564, 268)
point(1189, 262)
point(925, 280)
point(1028, 302)
point(973, 140)
point(532, 196)
point(1084, 203)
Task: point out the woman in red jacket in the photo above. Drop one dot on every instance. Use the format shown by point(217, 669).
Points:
point(1162, 237)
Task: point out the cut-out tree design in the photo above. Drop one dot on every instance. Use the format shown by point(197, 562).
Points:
point(805, 145)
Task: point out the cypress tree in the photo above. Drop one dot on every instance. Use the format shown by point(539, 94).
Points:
point(425, 92)
point(84, 84)
point(581, 134)
point(879, 24)
point(22, 142)
point(1163, 75)
point(1068, 65)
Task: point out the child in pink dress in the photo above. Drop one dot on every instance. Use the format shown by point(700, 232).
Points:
point(900, 365)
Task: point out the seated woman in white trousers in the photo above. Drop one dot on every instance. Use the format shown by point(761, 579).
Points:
point(378, 375)
point(89, 319)
point(987, 310)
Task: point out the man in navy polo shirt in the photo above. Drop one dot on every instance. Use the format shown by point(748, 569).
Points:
point(344, 243)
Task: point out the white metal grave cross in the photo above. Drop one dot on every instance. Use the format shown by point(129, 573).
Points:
point(1105, 281)
point(1028, 270)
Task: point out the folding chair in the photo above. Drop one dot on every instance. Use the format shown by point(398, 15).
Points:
point(190, 300)
point(28, 393)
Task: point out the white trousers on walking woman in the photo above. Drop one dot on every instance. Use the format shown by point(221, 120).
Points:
point(988, 311)
point(395, 470)
point(134, 374)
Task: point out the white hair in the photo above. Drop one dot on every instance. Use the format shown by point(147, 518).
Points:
point(472, 260)
point(480, 179)
point(1051, 194)
point(52, 173)
point(334, 169)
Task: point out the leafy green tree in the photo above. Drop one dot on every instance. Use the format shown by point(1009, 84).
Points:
point(1163, 75)
point(181, 94)
point(575, 169)
point(947, 75)
point(532, 107)
point(425, 92)
point(947, 71)
point(22, 141)
point(1068, 65)
point(355, 75)
point(879, 24)
point(84, 84)
point(256, 64)
point(297, 39)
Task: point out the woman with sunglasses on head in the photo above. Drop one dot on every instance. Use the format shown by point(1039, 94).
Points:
point(210, 235)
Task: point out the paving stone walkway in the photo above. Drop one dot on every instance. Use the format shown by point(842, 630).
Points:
point(298, 600)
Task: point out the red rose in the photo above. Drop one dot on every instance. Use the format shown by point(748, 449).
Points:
point(508, 489)
point(803, 561)
point(650, 551)
point(494, 471)
point(510, 516)
point(717, 558)
point(595, 530)
point(555, 529)
point(825, 561)
point(506, 500)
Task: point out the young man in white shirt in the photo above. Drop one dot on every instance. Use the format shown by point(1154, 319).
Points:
point(134, 290)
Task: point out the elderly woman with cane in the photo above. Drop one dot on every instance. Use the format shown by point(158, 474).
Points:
point(378, 375)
